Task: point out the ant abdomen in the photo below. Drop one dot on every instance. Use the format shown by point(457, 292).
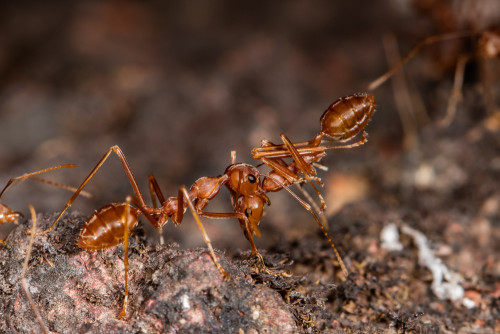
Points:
point(105, 228)
point(347, 116)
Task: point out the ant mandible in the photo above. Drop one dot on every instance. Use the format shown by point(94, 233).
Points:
point(488, 47)
point(7, 215)
point(112, 224)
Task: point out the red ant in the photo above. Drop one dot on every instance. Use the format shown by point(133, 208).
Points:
point(112, 224)
point(488, 47)
point(6, 213)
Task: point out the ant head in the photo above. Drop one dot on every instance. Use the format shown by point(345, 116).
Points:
point(253, 208)
point(346, 117)
point(244, 179)
point(8, 216)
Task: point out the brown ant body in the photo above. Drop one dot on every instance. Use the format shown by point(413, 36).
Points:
point(112, 224)
point(488, 47)
point(7, 215)
point(341, 122)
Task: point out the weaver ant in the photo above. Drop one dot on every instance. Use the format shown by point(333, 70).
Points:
point(488, 47)
point(6, 213)
point(112, 224)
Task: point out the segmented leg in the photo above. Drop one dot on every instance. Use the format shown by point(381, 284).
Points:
point(155, 191)
point(128, 172)
point(308, 207)
point(125, 218)
point(29, 175)
point(456, 94)
point(185, 194)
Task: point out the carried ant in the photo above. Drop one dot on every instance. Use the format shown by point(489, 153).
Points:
point(7, 215)
point(112, 224)
point(488, 47)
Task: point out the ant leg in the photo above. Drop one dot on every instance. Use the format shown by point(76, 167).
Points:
point(25, 268)
point(401, 94)
point(127, 169)
point(456, 94)
point(306, 168)
point(322, 228)
point(60, 185)
point(362, 141)
point(429, 40)
point(6, 214)
point(125, 218)
point(255, 252)
point(322, 217)
point(248, 230)
point(249, 235)
point(30, 175)
point(183, 193)
point(155, 191)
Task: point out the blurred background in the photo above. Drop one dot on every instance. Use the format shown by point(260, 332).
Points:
point(179, 84)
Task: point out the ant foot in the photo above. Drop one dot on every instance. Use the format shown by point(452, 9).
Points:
point(123, 312)
point(225, 274)
point(222, 271)
point(261, 267)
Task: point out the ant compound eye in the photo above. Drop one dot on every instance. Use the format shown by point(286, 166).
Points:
point(252, 178)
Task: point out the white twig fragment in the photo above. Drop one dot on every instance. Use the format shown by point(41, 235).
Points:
point(390, 238)
point(468, 303)
point(445, 283)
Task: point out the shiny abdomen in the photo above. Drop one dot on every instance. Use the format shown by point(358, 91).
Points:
point(105, 228)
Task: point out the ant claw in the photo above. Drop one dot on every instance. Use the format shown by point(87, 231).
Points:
point(225, 274)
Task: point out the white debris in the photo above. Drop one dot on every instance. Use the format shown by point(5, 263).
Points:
point(468, 303)
point(445, 283)
point(425, 176)
point(186, 306)
point(255, 313)
point(390, 238)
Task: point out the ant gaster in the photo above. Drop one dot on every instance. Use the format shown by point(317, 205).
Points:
point(112, 224)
